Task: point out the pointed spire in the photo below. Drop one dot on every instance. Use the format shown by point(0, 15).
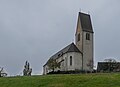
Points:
point(85, 22)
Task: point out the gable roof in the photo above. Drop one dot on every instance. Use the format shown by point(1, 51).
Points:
point(70, 48)
point(85, 22)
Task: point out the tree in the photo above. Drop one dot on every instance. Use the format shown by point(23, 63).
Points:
point(110, 64)
point(53, 64)
point(110, 60)
point(2, 72)
point(27, 70)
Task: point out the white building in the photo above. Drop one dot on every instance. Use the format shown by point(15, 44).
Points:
point(78, 56)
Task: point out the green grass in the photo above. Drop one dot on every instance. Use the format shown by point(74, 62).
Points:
point(78, 80)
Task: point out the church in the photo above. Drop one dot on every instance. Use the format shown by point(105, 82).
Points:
point(79, 55)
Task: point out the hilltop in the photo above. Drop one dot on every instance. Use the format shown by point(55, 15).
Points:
point(76, 80)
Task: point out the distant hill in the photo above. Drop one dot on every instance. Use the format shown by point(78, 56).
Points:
point(78, 80)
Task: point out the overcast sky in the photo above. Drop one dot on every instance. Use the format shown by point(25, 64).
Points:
point(34, 30)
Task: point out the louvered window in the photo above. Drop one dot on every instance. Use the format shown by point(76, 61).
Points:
point(79, 37)
point(87, 36)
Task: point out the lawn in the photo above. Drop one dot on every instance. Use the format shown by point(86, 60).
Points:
point(71, 80)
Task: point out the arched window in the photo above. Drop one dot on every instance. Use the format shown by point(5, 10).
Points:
point(78, 37)
point(87, 36)
point(70, 60)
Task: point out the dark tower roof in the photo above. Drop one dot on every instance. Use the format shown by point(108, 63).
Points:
point(85, 22)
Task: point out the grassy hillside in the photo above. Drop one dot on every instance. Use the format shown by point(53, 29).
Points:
point(79, 80)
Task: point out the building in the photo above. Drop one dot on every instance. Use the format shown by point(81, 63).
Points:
point(78, 56)
point(108, 67)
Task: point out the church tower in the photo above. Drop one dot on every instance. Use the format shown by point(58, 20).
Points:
point(84, 40)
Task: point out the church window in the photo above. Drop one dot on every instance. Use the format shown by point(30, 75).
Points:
point(79, 37)
point(87, 36)
point(58, 55)
point(70, 60)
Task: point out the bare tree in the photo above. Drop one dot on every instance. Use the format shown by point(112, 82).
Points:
point(110, 63)
point(110, 60)
point(2, 72)
point(53, 64)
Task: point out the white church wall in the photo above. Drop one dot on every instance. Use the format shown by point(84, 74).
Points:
point(45, 69)
point(70, 67)
point(64, 63)
point(76, 61)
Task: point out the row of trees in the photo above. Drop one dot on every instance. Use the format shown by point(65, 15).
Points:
point(53, 64)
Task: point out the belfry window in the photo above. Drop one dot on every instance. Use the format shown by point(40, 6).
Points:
point(70, 60)
point(87, 36)
point(78, 37)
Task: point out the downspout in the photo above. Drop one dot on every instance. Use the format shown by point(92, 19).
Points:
point(67, 62)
